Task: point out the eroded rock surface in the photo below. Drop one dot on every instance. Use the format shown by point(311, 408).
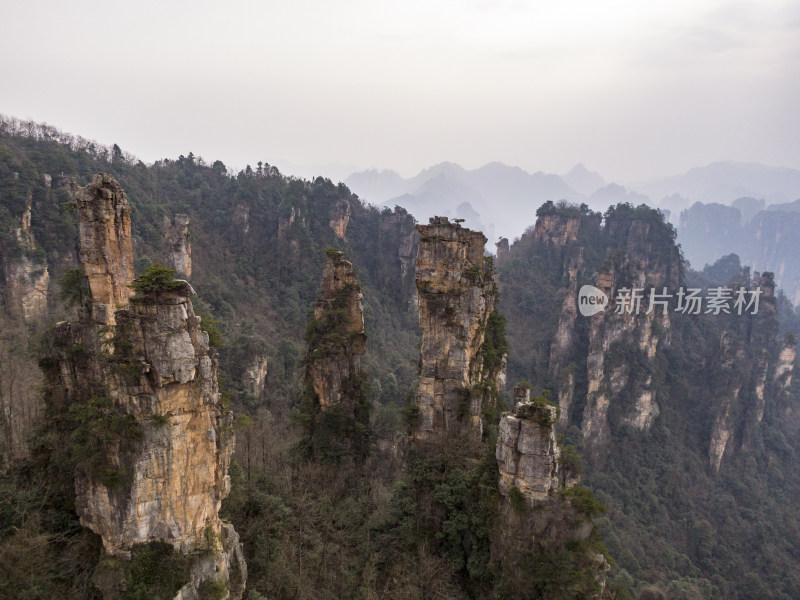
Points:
point(160, 442)
point(178, 244)
point(457, 294)
point(27, 279)
point(527, 451)
point(105, 245)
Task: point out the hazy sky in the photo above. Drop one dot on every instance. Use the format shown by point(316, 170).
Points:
point(631, 88)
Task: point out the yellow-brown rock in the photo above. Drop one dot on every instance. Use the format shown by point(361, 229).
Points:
point(105, 245)
point(457, 294)
point(158, 470)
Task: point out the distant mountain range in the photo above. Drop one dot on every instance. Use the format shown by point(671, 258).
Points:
point(501, 200)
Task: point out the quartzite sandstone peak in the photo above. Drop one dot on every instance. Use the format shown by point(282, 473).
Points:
point(457, 294)
point(179, 244)
point(159, 470)
point(339, 308)
point(105, 245)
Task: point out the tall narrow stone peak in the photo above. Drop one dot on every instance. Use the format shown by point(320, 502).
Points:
point(105, 245)
point(335, 355)
point(727, 392)
point(178, 244)
point(457, 294)
point(784, 370)
point(751, 380)
point(27, 279)
point(335, 381)
point(156, 441)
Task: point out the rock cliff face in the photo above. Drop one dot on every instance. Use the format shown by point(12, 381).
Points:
point(178, 244)
point(254, 378)
point(527, 451)
point(105, 245)
point(457, 294)
point(26, 276)
point(339, 217)
point(158, 441)
point(339, 314)
point(557, 229)
point(784, 370)
point(625, 332)
point(640, 256)
point(750, 381)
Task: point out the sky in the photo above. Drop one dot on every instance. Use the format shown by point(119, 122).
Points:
point(633, 89)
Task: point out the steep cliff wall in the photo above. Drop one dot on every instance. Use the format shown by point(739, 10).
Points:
point(457, 294)
point(640, 254)
point(339, 214)
point(26, 275)
point(626, 333)
point(156, 441)
point(752, 377)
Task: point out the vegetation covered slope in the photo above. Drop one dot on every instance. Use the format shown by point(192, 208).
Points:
point(674, 525)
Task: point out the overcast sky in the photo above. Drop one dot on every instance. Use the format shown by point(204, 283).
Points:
point(632, 89)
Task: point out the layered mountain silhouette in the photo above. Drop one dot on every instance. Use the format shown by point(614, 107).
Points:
point(501, 200)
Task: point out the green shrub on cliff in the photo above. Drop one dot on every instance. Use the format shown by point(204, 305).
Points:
point(156, 280)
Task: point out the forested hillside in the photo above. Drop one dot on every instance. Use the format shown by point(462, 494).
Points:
point(369, 365)
point(696, 453)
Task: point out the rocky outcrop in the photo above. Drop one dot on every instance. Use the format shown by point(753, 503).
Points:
point(178, 244)
point(26, 276)
point(565, 339)
point(751, 376)
point(784, 370)
point(105, 245)
point(339, 214)
point(457, 293)
point(630, 330)
point(557, 229)
point(728, 389)
point(502, 249)
point(397, 242)
point(254, 378)
point(285, 222)
point(397, 229)
point(338, 339)
point(158, 441)
point(334, 404)
point(527, 451)
point(536, 517)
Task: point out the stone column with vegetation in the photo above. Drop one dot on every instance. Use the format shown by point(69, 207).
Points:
point(463, 341)
point(152, 439)
point(334, 405)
